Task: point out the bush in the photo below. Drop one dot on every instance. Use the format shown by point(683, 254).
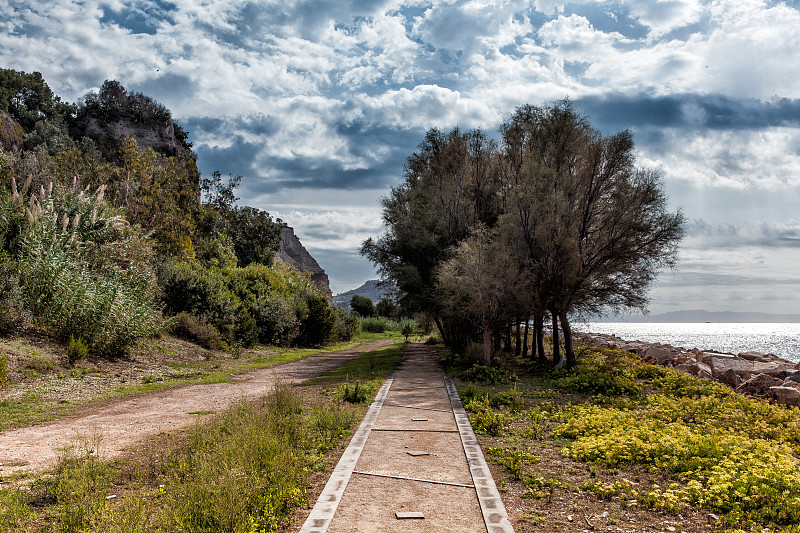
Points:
point(485, 420)
point(484, 374)
point(317, 325)
point(374, 324)
point(76, 349)
point(355, 393)
point(363, 306)
point(12, 311)
point(193, 329)
point(407, 327)
point(344, 326)
point(3, 371)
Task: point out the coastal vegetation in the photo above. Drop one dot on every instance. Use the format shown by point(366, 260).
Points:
point(555, 218)
point(110, 235)
point(618, 441)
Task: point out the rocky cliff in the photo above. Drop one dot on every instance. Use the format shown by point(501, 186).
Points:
point(294, 253)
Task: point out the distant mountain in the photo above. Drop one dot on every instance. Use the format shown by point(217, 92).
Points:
point(372, 289)
point(706, 316)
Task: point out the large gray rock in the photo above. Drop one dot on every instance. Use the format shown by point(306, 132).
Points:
point(759, 385)
point(786, 395)
point(700, 370)
point(730, 378)
point(722, 363)
point(778, 370)
point(792, 379)
point(761, 357)
point(657, 355)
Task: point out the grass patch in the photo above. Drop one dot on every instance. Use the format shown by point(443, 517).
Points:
point(244, 470)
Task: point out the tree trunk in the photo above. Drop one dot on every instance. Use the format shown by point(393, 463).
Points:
point(557, 362)
point(568, 349)
point(518, 347)
point(507, 339)
point(538, 332)
point(525, 342)
point(487, 346)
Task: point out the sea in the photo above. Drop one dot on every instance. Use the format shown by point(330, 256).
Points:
point(781, 339)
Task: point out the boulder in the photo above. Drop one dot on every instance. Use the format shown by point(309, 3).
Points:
point(722, 363)
point(729, 378)
point(700, 370)
point(778, 370)
point(792, 379)
point(657, 355)
point(785, 395)
point(759, 385)
point(761, 357)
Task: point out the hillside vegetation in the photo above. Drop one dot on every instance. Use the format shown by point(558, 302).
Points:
point(109, 234)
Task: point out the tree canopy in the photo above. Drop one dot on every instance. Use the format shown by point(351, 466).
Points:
point(555, 218)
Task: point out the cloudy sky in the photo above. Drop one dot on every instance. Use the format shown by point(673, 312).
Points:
point(318, 104)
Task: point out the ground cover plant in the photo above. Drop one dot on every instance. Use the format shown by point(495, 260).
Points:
point(618, 443)
point(244, 470)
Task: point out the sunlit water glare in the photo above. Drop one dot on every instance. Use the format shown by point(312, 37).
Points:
point(780, 339)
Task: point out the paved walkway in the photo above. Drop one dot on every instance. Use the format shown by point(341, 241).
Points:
point(413, 465)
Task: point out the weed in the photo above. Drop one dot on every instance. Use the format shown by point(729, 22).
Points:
point(485, 420)
point(355, 393)
point(76, 349)
point(4, 380)
point(511, 398)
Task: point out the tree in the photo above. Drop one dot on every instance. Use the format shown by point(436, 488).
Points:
point(362, 305)
point(478, 283)
point(597, 229)
point(451, 185)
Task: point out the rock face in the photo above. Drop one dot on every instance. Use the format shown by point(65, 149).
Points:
point(373, 289)
point(752, 373)
point(160, 137)
point(293, 253)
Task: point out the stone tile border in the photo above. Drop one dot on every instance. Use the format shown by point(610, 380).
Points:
point(323, 511)
point(494, 512)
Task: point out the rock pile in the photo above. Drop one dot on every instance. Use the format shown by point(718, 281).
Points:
point(752, 373)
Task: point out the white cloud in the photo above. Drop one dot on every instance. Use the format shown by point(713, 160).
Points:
point(766, 159)
point(663, 16)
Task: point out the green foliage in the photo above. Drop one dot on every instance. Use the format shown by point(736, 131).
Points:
point(363, 306)
point(196, 330)
point(3, 370)
point(736, 455)
point(608, 372)
point(317, 325)
point(484, 374)
point(356, 392)
point(510, 398)
point(12, 310)
point(485, 420)
point(28, 98)
point(345, 325)
point(76, 349)
point(407, 327)
point(373, 324)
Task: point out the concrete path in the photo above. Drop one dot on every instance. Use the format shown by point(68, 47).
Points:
point(413, 465)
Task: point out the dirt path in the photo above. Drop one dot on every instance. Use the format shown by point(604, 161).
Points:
point(124, 423)
point(413, 465)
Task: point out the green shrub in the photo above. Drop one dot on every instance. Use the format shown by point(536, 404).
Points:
point(196, 330)
point(3, 370)
point(471, 392)
point(76, 349)
point(407, 327)
point(344, 326)
point(484, 374)
point(373, 324)
point(602, 371)
point(355, 393)
point(316, 326)
point(12, 311)
point(510, 398)
point(485, 420)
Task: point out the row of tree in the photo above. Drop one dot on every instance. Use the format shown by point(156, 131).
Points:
point(553, 219)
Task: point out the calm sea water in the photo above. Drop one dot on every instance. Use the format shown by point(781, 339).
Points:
point(780, 339)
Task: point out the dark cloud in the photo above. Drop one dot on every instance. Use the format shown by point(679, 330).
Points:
point(694, 111)
point(765, 234)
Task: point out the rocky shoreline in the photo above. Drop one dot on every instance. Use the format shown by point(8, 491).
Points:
point(754, 374)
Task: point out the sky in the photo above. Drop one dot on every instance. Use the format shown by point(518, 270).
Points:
point(318, 105)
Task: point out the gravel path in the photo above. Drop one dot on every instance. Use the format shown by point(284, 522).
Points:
point(124, 423)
